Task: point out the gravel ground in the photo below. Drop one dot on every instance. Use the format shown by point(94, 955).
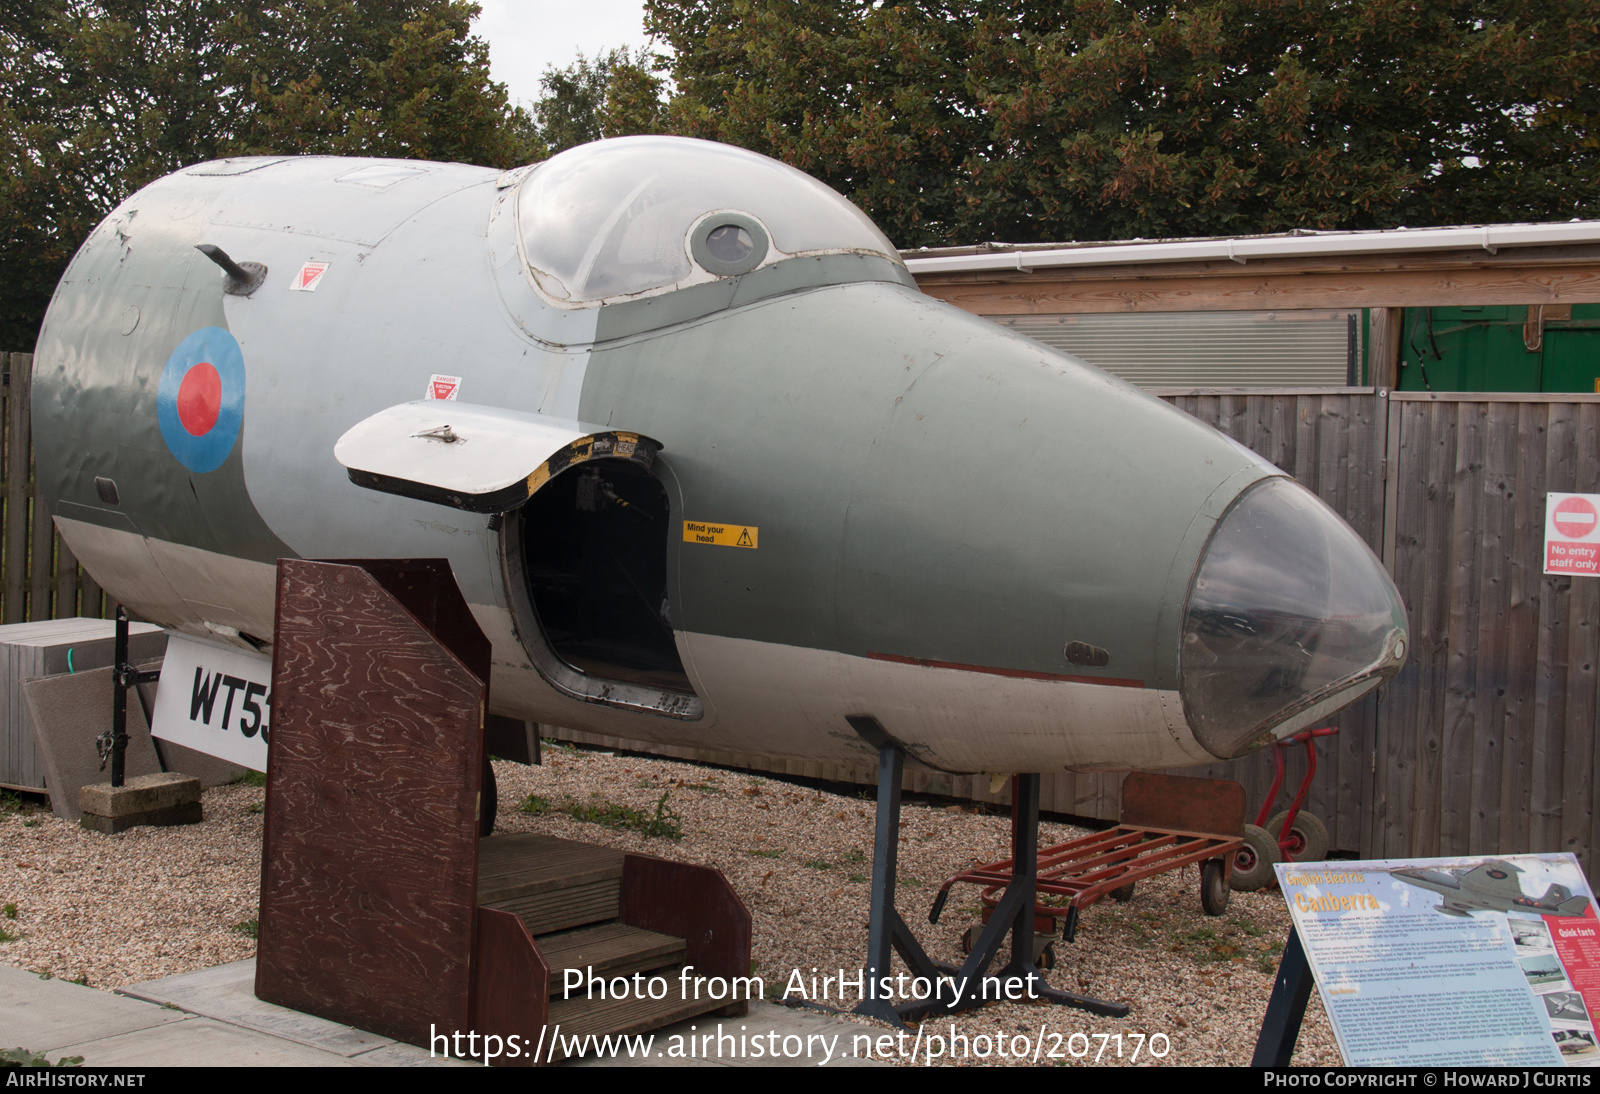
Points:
point(151, 902)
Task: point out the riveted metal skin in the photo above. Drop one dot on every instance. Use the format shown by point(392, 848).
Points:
point(987, 545)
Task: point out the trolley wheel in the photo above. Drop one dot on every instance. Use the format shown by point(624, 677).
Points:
point(1123, 894)
point(1214, 891)
point(1308, 839)
point(1252, 863)
point(966, 940)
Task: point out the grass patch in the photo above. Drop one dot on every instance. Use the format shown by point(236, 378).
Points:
point(251, 778)
point(10, 802)
point(250, 927)
point(9, 936)
point(22, 1057)
point(10, 910)
point(255, 807)
point(853, 856)
point(775, 852)
point(858, 878)
point(818, 864)
point(663, 822)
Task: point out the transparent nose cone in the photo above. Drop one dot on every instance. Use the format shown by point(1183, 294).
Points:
point(1291, 618)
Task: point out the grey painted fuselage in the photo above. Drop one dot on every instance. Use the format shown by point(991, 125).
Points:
point(943, 507)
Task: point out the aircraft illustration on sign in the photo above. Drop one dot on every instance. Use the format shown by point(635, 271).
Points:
point(710, 470)
point(1490, 887)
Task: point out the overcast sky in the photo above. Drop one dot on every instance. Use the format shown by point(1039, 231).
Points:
point(526, 36)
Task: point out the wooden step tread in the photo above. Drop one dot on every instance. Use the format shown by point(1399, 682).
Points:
point(526, 864)
point(580, 1017)
point(609, 950)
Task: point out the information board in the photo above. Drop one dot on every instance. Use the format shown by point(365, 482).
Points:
point(1460, 961)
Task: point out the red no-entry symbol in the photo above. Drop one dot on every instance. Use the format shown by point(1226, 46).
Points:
point(1574, 518)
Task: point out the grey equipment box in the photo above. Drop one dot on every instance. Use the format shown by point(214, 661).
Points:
point(41, 649)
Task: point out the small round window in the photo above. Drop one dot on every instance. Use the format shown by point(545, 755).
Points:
point(728, 243)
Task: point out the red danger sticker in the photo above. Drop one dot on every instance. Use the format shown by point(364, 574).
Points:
point(309, 276)
point(442, 387)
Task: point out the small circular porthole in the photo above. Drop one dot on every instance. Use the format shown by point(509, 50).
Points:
point(728, 243)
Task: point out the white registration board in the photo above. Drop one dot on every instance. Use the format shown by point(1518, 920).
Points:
point(215, 699)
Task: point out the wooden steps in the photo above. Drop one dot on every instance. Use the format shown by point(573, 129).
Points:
point(569, 895)
point(610, 950)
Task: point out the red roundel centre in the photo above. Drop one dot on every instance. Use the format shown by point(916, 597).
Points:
point(200, 399)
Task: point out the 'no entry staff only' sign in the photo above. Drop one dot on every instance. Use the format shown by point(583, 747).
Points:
point(1572, 534)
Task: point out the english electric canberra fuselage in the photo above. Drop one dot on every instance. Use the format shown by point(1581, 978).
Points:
point(708, 467)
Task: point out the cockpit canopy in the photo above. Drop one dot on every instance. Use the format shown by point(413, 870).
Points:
point(638, 216)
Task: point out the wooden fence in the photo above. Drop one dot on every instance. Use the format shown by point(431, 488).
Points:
point(39, 578)
point(1485, 743)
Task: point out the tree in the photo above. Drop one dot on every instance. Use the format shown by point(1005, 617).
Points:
point(613, 94)
point(1028, 120)
point(100, 97)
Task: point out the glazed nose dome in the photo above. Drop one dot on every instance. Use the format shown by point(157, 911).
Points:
point(1291, 617)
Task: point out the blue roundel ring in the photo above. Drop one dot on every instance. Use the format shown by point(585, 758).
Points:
point(205, 451)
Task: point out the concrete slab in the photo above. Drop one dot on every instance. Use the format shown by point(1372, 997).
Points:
point(199, 1042)
point(228, 993)
point(42, 1014)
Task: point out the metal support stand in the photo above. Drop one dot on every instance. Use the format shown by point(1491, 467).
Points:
point(123, 677)
point(1280, 1028)
point(885, 928)
point(1018, 979)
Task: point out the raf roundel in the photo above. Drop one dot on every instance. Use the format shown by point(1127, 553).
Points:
point(200, 403)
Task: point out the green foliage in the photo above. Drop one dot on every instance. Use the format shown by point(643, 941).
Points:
point(21, 1057)
point(250, 927)
point(956, 121)
point(9, 911)
point(100, 97)
point(613, 94)
point(663, 822)
point(251, 778)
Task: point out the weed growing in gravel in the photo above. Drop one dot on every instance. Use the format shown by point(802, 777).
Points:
point(255, 807)
point(10, 910)
point(251, 927)
point(818, 864)
point(10, 803)
point(9, 936)
point(251, 778)
point(21, 1057)
point(853, 856)
point(858, 878)
point(664, 822)
point(30, 823)
point(771, 852)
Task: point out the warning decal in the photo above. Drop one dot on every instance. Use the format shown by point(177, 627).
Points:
point(1572, 534)
point(723, 535)
point(309, 276)
point(443, 387)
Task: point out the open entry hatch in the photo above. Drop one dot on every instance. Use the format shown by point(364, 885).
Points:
point(583, 536)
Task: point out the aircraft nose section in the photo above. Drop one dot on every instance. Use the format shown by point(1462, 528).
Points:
point(1290, 618)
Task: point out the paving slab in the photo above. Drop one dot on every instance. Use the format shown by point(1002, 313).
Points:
point(199, 1042)
point(212, 1018)
point(228, 993)
point(41, 1014)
